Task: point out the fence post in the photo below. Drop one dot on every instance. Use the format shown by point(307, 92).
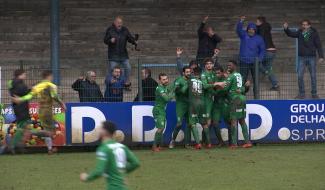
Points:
point(140, 95)
point(257, 81)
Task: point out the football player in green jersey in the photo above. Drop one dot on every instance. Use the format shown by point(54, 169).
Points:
point(181, 96)
point(208, 78)
point(234, 86)
point(114, 160)
point(164, 93)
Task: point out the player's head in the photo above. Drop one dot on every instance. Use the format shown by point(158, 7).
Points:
point(232, 66)
point(20, 74)
point(260, 20)
point(219, 71)
point(107, 130)
point(305, 24)
point(163, 79)
point(208, 63)
point(187, 71)
point(47, 75)
point(193, 64)
point(116, 72)
point(197, 71)
point(118, 22)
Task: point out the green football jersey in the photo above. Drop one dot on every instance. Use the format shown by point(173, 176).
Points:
point(114, 160)
point(195, 90)
point(163, 95)
point(234, 85)
point(220, 95)
point(208, 79)
point(181, 89)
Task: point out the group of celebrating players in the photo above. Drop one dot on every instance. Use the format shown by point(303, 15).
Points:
point(203, 98)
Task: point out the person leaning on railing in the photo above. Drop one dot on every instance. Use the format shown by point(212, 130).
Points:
point(87, 88)
point(308, 43)
point(114, 86)
point(149, 86)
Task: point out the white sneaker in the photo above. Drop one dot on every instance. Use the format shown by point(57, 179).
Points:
point(172, 144)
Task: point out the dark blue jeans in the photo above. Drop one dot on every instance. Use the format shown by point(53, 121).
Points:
point(310, 63)
point(266, 67)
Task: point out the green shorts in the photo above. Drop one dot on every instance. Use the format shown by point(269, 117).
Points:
point(208, 107)
point(181, 112)
point(160, 118)
point(238, 107)
point(197, 114)
point(220, 112)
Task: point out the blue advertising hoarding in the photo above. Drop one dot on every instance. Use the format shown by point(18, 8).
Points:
point(269, 121)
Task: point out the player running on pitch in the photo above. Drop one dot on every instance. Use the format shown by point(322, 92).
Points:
point(18, 87)
point(164, 93)
point(208, 78)
point(114, 160)
point(235, 88)
point(47, 94)
point(182, 103)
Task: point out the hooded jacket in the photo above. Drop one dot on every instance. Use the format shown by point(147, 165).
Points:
point(117, 51)
point(309, 46)
point(251, 47)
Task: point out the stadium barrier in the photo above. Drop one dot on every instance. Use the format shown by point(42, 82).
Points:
point(269, 121)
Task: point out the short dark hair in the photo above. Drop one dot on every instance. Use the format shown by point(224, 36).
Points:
point(109, 127)
point(219, 68)
point(161, 75)
point(186, 67)
point(193, 62)
point(197, 70)
point(233, 62)
point(46, 73)
point(207, 59)
point(306, 20)
point(147, 71)
point(18, 72)
point(262, 19)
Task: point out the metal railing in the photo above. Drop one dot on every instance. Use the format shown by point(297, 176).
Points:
point(283, 69)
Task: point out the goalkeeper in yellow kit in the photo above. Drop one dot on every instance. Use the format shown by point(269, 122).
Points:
point(47, 95)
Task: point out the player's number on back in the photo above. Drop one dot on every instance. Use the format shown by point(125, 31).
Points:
point(120, 157)
point(239, 80)
point(197, 86)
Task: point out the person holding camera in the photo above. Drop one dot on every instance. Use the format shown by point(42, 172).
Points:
point(116, 39)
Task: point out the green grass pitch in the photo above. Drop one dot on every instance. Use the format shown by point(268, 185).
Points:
point(268, 167)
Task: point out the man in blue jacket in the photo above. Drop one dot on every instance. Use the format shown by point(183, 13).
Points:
point(308, 43)
point(252, 47)
point(114, 86)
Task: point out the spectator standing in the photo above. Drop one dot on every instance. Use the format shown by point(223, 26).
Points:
point(149, 86)
point(114, 86)
point(264, 30)
point(180, 64)
point(308, 43)
point(251, 47)
point(116, 39)
point(208, 42)
point(87, 88)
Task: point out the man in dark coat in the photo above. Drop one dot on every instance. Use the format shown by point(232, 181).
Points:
point(308, 44)
point(149, 86)
point(116, 39)
point(208, 42)
point(88, 89)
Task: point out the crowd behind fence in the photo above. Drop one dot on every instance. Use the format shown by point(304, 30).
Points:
point(139, 90)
